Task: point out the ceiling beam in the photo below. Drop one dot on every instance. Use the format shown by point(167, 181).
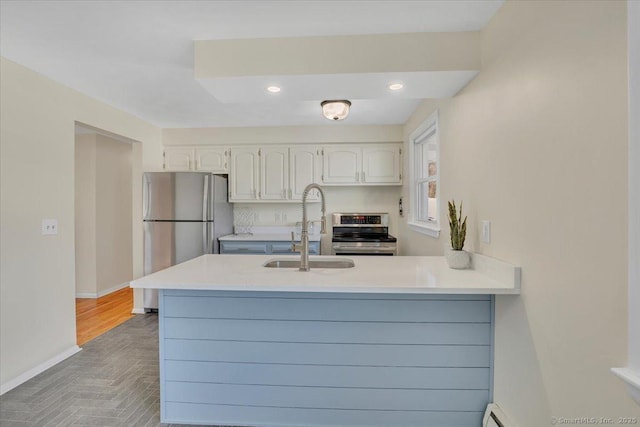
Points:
point(377, 53)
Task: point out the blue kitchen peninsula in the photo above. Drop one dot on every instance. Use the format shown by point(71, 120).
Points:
point(393, 341)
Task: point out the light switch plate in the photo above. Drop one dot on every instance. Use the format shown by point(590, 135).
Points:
point(49, 226)
point(485, 234)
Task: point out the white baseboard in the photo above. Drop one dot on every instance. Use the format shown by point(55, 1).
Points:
point(10, 385)
point(113, 289)
point(138, 311)
point(92, 295)
point(95, 295)
point(632, 379)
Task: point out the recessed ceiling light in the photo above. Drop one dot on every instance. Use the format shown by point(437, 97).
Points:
point(274, 89)
point(396, 86)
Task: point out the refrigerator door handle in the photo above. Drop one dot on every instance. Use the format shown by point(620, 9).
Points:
point(146, 200)
point(205, 199)
point(205, 238)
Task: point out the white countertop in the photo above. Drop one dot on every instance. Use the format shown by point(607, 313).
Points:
point(371, 274)
point(266, 237)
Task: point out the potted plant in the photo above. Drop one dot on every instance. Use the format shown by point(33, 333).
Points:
point(457, 257)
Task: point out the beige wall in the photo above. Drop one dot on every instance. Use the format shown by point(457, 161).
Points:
point(85, 214)
point(113, 214)
point(282, 135)
point(103, 225)
point(633, 20)
point(537, 144)
point(37, 286)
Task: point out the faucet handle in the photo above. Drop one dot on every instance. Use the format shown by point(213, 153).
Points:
point(323, 225)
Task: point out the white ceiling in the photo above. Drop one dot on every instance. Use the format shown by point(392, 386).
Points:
point(138, 55)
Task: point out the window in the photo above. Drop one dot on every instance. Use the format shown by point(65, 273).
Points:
point(424, 196)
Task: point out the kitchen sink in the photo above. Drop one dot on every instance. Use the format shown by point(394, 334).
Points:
point(313, 263)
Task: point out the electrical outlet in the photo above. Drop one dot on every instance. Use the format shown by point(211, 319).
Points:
point(276, 217)
point(49, 226)
point(485, 235)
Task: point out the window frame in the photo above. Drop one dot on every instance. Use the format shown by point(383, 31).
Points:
point(429, 128)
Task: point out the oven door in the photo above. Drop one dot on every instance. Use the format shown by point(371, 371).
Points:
point(347, 249)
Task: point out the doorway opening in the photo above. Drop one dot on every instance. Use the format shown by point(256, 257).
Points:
point(106, 169)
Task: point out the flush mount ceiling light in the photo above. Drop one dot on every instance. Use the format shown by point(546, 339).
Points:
point(274, 89)
point(335, 110)
point(395, 86)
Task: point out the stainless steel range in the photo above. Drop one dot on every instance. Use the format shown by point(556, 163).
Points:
point(362, 234)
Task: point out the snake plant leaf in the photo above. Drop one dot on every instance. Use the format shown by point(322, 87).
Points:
point(457, 226)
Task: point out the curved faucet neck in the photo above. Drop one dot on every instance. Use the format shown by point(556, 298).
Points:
point(305, 194)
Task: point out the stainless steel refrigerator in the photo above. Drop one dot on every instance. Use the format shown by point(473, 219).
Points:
point(184, 213)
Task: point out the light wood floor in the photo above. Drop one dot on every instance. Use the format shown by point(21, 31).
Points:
point(94, 317)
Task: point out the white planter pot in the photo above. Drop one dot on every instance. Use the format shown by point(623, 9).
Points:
point(458, 260)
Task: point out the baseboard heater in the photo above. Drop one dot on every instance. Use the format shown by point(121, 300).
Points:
point(494, 417)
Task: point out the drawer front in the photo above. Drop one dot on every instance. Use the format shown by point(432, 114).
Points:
point(243, 248)
point(251, 248)
point(281, 248)
point(285, 248)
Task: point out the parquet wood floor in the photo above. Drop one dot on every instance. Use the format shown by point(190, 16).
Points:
point(94, 317)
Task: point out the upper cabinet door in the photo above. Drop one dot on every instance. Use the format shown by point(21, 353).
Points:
point(274, 173)
point(341, 164)
point(178, 159)
point(304, 169)
point(381, 164)
point(243, 177)
point(212, 159)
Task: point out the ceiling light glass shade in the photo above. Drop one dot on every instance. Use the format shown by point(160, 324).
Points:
point(335, 110)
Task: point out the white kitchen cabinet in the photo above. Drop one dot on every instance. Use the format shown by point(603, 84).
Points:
point(341, 164)
point(212, 159)
point(304, 169)
point(274, 173)
point(243, 174)
point(178, 159)
point(381, 164)
point(207, 159)
point(362, 164)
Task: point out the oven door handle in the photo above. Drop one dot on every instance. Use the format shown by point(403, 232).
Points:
point(347, 251)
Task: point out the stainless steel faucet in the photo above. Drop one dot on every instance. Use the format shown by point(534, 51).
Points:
point(303, 247)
